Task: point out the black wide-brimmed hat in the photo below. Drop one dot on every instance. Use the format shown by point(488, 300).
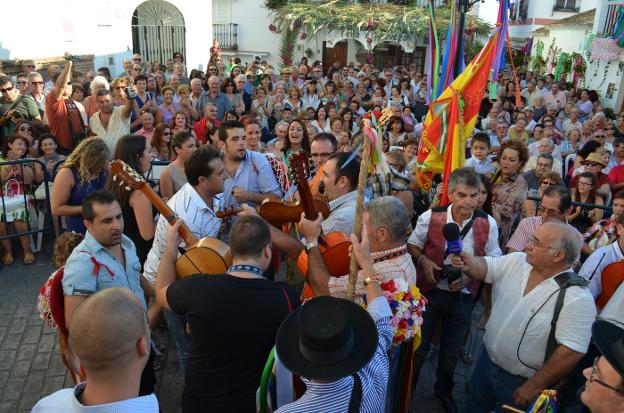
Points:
point(609, 339)
point(327, 338)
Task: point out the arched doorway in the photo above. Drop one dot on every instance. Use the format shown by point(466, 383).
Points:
point(158, 31)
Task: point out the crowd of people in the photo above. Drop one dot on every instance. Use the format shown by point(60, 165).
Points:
point(539, 206)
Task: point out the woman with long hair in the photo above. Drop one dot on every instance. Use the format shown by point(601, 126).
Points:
point(179, 123)
point(395, 131)
point(173, 177)
point(320, 120)
point(48, 155)
point(160, 141)
point(28, 131)
point(509, 189)
point(23, 175)
point(329, 93)
point(296, 141)
point(136, 208)
point(84, 171)
point(582, 217)
point(294, 101)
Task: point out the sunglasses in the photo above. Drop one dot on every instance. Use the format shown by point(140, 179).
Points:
point(548, 183)
point(8, 89)
point(167, 133)
point(591, 164)
point(35, 83)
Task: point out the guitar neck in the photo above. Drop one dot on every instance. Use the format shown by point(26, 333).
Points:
point(170, 216)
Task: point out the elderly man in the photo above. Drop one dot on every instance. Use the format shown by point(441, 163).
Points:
point(35, 87)
point(196, 92)
point(544, 146)
point(206, 123)
point(385, 225)
point(554, 206)
point(111, 122)
point(542, 165)
point(530, 93)
point(528, 347)
point(604, 388)
point(555, 96)
point(14, 108)
point(111, 337)
point(214, 95)
point(572, 122)
point(450, 294)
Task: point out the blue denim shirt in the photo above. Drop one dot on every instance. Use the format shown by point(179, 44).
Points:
point(92, 268)
point(254, 174)
point(222, 103)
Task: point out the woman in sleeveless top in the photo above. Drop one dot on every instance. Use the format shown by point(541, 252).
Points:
point(136, 208)
point(173, 178)
point(84, 171)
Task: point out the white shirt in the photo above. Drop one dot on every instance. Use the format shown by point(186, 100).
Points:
point(509, 333)
point(198, 217)
point(66, 401)
point(611, 254)
point(612, 312)
point(341, 214)
point(117, 127)
point(420, 233)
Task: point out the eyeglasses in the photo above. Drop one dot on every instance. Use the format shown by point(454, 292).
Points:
point(8, 89)
point(167, 133)
point(119, 87)
point(35, 83)
point(30, 66)
point(537, 244)
point(21, 82)
point(585, 183)
point(594, 374)
point(545, 211)
point(548, 183)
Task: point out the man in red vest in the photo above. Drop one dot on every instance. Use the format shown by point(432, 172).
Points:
point(451, 294)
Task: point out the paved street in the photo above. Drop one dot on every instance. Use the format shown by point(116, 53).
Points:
point(31, 368)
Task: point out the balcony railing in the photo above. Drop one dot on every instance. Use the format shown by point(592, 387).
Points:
point(567, 5)
point(227, 34)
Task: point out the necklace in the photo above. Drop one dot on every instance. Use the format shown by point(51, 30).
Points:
point(248, 268)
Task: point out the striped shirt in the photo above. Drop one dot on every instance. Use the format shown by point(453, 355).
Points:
point(397, 264)
point(526, 229)
point(334, 397)
point(342, 214)
point(198, 217)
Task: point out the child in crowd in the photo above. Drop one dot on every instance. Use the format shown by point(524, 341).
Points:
point(479, 148)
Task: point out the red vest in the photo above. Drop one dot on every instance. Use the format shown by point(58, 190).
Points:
point(436, 244)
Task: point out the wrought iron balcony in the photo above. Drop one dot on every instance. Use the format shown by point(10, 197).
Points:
point(227, 34)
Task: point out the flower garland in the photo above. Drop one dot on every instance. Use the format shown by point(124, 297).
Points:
point(407, 305)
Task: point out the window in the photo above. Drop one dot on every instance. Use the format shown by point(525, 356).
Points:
point(566, 5)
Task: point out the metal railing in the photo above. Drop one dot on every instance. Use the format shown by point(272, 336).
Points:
point(9, 204)
point(227, 34)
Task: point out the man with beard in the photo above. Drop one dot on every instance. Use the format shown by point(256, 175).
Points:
point(104, 259)
point(111, 122)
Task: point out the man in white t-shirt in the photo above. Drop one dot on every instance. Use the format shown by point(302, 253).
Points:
point(513, 367)
point(111, 122)
point(111, 337)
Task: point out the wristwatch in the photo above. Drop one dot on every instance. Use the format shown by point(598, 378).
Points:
point(310, 245)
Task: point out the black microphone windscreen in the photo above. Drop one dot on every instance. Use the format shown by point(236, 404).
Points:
point(450, 231)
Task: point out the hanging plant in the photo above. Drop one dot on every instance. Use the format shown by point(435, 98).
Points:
point(287, 47)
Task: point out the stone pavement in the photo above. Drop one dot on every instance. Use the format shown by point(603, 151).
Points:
point(31, 368)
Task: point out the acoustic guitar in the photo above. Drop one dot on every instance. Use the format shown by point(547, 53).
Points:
point(611, 278)
point(334, 246)
point(205, 256)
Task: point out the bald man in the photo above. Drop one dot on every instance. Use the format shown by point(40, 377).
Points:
point(111, 337)
point(214, 95)
point(519, 359)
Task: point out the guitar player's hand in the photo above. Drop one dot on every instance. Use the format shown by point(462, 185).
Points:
point(311, 230)
point(173, 235)
point(247, 210)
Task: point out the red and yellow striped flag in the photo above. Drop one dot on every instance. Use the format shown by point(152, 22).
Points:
point(451, 119)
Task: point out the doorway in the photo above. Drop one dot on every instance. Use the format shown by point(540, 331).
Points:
point(158, 31)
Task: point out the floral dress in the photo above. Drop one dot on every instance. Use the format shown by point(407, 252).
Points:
point(507, 201)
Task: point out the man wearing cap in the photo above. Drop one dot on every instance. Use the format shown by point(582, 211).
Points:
point(594, 164)
point(604, 388)
point(286, 73)
point(339, 349)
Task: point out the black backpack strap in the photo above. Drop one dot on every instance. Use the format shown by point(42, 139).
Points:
point(564, 280)
point(356, 394)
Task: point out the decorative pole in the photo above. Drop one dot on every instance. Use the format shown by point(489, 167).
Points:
point(357, 225)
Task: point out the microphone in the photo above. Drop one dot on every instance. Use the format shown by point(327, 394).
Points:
point(453, 240)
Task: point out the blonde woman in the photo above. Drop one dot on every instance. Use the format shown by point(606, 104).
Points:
point(85, 170)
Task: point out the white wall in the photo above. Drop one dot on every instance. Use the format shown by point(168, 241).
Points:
point(596, 80)
point(569, 40)
point(101, 27)
point(253, 30)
